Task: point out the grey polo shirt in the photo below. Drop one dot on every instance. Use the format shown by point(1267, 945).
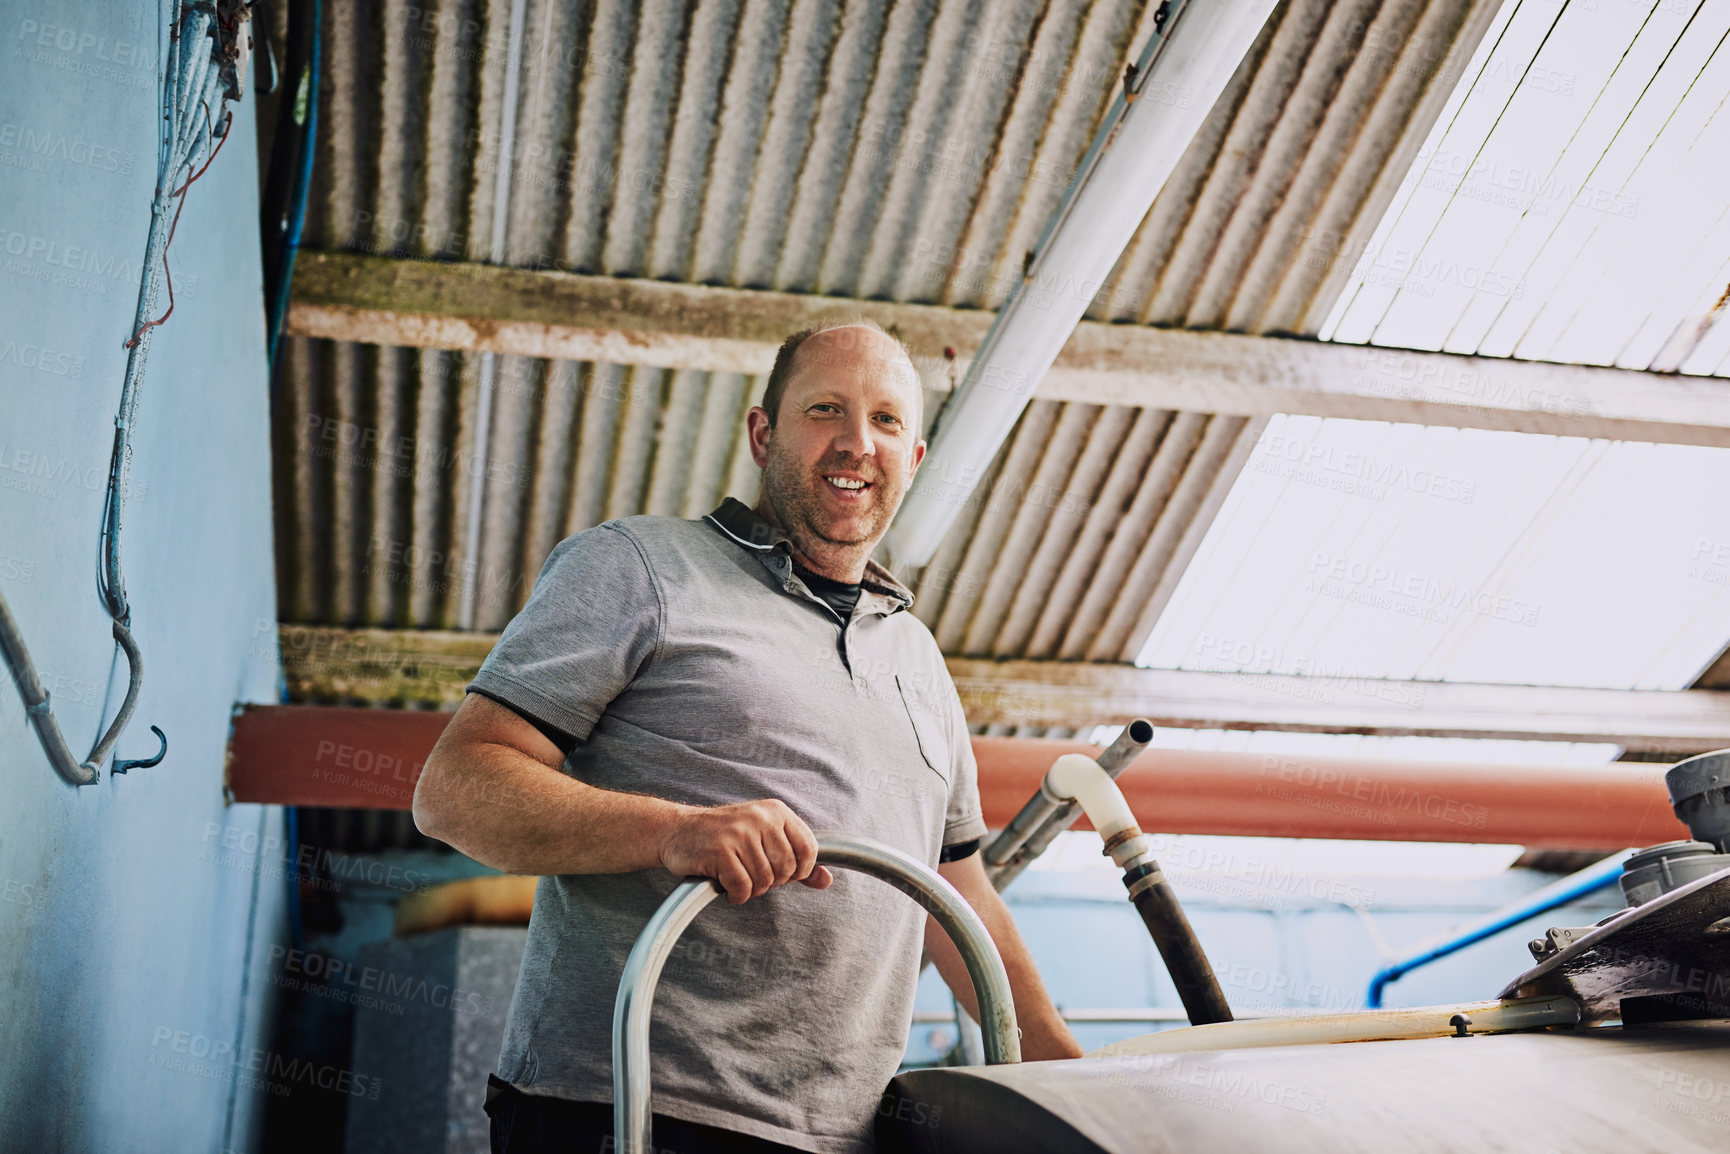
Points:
point(688, 661)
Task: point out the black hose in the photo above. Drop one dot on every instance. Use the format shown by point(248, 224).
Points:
point(1191, 973)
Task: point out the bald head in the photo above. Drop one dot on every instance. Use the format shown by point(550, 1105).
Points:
point(852, 346)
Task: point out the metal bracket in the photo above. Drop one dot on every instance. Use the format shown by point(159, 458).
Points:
point(1659, 947)
point(1557, 938)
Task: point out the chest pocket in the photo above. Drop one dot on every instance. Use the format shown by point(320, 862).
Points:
point(929, 728)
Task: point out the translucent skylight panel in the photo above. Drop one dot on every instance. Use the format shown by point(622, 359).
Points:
point(1665, 344)
point(1469, 265)
point(1488, 83)
point(1710, 352)
point(1352, 549)
point(1665, 175)
point(1573, 203)
point(1598, 71)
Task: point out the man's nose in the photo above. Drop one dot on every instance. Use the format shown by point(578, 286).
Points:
point(854, 437)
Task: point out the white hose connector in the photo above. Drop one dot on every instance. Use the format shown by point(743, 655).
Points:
point(1077, 777)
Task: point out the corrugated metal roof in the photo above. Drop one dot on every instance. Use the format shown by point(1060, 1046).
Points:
point(907, 151)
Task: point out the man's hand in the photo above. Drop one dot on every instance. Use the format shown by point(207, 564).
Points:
point(749, 848)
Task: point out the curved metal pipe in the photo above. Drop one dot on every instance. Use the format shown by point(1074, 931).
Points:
point(943, 902)
point(634, 1004)
point(642, 973)
point(123, 718)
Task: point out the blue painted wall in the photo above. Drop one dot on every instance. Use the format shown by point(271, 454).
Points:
point(129, 910)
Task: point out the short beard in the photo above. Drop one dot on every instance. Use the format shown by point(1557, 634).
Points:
point(800, 510)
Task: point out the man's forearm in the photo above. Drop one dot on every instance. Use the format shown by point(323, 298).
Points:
point(1044, 1034)
point(506, 810)
point(493, 788)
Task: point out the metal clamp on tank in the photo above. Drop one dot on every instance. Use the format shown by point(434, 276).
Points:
point(654, 945)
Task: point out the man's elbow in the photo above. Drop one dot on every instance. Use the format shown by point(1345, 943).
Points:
point(430, 807)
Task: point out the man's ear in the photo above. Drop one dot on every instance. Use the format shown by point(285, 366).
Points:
point(757, 429)
point(918, 456)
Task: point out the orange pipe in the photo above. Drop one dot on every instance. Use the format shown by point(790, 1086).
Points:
point(338, 756)
point(1600, 807)
point(370, 758)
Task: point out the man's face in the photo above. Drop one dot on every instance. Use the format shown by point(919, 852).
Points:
point(845, 443)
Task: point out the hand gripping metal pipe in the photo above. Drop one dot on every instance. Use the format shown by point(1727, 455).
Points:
point(918, 881)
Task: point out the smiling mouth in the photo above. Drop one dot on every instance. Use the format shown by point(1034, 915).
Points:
point(848, 487)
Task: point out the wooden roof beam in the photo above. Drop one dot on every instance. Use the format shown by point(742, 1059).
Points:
point(383, 666)
point(425, 304)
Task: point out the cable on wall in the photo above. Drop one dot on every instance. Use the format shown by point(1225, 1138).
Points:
point(290, 177)
point(209, 44)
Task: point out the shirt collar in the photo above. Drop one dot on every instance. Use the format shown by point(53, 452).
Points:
point(740, 522)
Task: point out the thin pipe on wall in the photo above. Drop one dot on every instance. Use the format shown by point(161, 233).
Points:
point(489, 362)
point(1559, 893)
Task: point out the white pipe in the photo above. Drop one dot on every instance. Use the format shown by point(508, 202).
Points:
point(1037, 825)
point(1152, 121)
point(1365, 1026)
point(1074, 776)
point(1077, 777)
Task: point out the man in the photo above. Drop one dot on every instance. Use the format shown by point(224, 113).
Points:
point(713, 691)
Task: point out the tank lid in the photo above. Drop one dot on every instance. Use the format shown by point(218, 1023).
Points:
point(1671, 850)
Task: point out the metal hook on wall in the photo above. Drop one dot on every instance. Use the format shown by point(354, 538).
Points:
point(121, 765)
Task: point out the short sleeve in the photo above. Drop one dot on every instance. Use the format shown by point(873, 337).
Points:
point(965, 820)
point(591, 622)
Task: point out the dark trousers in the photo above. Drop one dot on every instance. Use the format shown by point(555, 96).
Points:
point(533, 1123)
